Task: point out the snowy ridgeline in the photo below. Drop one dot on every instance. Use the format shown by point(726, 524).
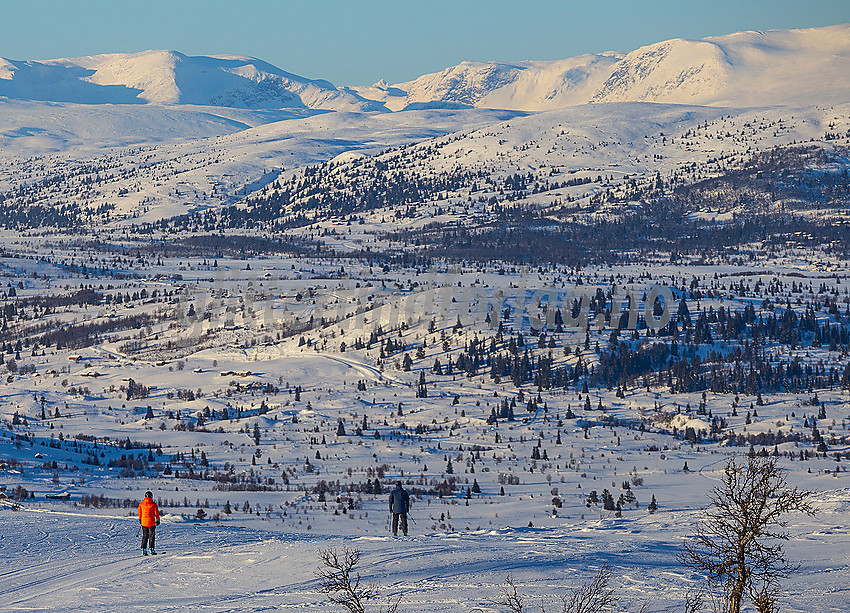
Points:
point(742, 69)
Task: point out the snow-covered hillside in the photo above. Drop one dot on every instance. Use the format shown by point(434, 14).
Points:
point(580, 162)
point(233, 152)
point(174, 174)
point(40, 128)
point(743, 69)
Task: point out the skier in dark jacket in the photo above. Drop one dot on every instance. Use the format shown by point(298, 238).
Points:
point(399, 507)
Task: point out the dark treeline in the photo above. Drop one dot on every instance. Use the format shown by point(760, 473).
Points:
point(801, 177)
point(217, 245)
point(72, 336)
point(629, 238)
point(26, 215)
point(16, 312)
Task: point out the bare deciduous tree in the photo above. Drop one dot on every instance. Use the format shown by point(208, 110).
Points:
point(596, 596)
point(693, 602)
point(738, 546)
point(511, 599)
point(338, 580)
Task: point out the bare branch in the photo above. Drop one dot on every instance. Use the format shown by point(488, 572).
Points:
point(693, 602)
point(392, 603)
point(594, 597)
point(765, 599)
point(510, 598)
point(739, 543)
point(342, 587)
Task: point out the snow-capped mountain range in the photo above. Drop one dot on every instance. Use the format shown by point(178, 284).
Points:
point(744, 69)
point(172, 78)
point(233, 124)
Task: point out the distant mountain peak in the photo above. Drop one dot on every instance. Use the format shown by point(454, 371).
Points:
point(754, 68)
point(687, 71)
point(161, 76)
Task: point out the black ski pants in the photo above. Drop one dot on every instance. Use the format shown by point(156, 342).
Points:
point(148, 537)
point(400, 517)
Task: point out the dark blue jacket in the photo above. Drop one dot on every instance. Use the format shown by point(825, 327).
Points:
point(399, 500)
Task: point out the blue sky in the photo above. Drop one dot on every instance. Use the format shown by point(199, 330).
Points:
point(359, 42)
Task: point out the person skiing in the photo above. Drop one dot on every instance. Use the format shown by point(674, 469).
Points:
point(149, 518)
point(399, 507)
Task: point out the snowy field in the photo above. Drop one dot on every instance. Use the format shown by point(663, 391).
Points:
point(56, 561)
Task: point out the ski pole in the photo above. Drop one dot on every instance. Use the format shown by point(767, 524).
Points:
point(139, 531)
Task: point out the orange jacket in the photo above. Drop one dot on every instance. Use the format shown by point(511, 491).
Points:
point(148, 512)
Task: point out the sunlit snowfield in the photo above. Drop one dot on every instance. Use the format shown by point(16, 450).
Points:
point(59, 562)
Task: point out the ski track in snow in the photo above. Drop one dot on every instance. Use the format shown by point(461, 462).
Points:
point(365, 369)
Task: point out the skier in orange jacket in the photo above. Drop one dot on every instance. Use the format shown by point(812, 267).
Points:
point(149, 518)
